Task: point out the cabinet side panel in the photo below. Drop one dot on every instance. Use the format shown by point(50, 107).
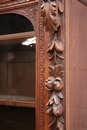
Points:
point(77, 65)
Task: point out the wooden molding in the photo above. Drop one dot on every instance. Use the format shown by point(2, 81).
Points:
point(83, 2)
point(52, 12)
point(16, 4)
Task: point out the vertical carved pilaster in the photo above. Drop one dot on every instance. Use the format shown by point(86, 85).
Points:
point(52, 12)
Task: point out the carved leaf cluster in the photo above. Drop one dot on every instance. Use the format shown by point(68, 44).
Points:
point(50, 14)
point(54, 107)
point(54, 84)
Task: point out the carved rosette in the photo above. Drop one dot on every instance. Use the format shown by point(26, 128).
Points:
point(52, 12)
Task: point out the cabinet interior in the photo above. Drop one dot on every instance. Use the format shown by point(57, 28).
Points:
point(17, 73)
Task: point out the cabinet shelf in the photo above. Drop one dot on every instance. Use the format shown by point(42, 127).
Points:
point(19, 101)
point(16, 38)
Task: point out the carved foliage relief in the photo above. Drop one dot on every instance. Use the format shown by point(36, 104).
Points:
point(52, 12)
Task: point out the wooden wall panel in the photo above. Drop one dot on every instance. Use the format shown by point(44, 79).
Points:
point(21, 79)
point(3, 75)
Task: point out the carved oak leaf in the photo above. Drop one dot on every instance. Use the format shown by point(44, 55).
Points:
point(53, 99)
point(56, 70)
point(53, 105)
point(52, 121)
point(49, 13)
point(60, 95)
point(49, 109)
point(57, 109)
point(60, 123)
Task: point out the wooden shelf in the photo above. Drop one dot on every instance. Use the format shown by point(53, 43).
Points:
point(20, 101)
point(16, 38)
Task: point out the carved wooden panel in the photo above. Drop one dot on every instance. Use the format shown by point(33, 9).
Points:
point(52, 12)
point(83, 2)
point(6, 3)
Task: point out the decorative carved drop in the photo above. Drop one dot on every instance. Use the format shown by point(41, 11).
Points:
point(52, 12)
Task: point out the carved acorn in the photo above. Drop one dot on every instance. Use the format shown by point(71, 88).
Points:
point(58, 84)
point(50, 83)
point(56, 45)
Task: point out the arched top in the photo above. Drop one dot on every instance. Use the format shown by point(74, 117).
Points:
point(14, 23)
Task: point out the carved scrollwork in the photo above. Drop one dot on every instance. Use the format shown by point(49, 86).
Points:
point(52, 12)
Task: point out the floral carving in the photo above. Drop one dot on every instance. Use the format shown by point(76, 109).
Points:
point(52, 10)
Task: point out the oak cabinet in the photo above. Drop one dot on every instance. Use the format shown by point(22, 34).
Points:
point(43, 64)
